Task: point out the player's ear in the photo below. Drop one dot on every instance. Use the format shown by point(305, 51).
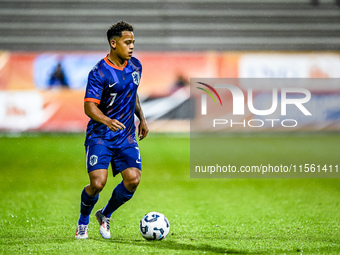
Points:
point(113, 43)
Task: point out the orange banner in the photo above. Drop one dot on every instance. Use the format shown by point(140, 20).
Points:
point(44, 90)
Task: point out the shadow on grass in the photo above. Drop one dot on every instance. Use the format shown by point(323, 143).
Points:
point(173, 245)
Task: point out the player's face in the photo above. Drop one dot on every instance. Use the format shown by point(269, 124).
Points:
point(125, 45)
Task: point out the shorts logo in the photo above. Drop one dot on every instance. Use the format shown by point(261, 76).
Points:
point(138, 161)
point(93, 160)
point(135, 77)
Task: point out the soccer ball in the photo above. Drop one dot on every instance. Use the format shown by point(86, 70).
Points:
point(154, 226)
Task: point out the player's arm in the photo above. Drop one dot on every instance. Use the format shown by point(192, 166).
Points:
point(92, 110)
point(143, 129)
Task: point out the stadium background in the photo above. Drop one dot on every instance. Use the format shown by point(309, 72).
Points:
point(187, 39)
point(176, 40)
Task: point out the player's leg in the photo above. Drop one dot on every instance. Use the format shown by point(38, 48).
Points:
point(89, 198)
point(90, 194)
point(97, 165)
point(128, 163)
point(122, 193)
point(131, 178)
point(98, 180)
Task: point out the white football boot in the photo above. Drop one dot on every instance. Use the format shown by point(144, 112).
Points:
point(82, 232)
point(104, 223)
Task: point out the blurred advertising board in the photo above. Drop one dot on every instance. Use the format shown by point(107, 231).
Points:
point(43, 91)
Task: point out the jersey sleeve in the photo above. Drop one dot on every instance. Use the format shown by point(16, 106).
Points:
point(94, 88)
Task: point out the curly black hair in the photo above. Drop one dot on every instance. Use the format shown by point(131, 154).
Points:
point(116, 29)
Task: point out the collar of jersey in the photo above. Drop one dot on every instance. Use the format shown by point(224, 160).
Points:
point(112, 65)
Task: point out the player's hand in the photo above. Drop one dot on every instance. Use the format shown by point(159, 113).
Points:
point(143, 129)
point(115, 125)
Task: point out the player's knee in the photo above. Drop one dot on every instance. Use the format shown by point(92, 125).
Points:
point(97, 186)
point(132, 183)
point(131, 178)
point(98, 180)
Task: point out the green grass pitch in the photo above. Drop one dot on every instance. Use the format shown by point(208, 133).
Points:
point(42, 177)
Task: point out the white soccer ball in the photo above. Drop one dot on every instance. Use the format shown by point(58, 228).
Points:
point(154, 226)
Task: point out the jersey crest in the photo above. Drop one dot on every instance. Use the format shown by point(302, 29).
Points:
point(93, 160)
point(135, 77)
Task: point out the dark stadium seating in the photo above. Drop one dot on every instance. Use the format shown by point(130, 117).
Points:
point(189, 25)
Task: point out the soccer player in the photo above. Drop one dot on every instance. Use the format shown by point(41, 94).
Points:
point(111, 101)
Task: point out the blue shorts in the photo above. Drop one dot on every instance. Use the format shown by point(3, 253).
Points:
point(99, 157)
